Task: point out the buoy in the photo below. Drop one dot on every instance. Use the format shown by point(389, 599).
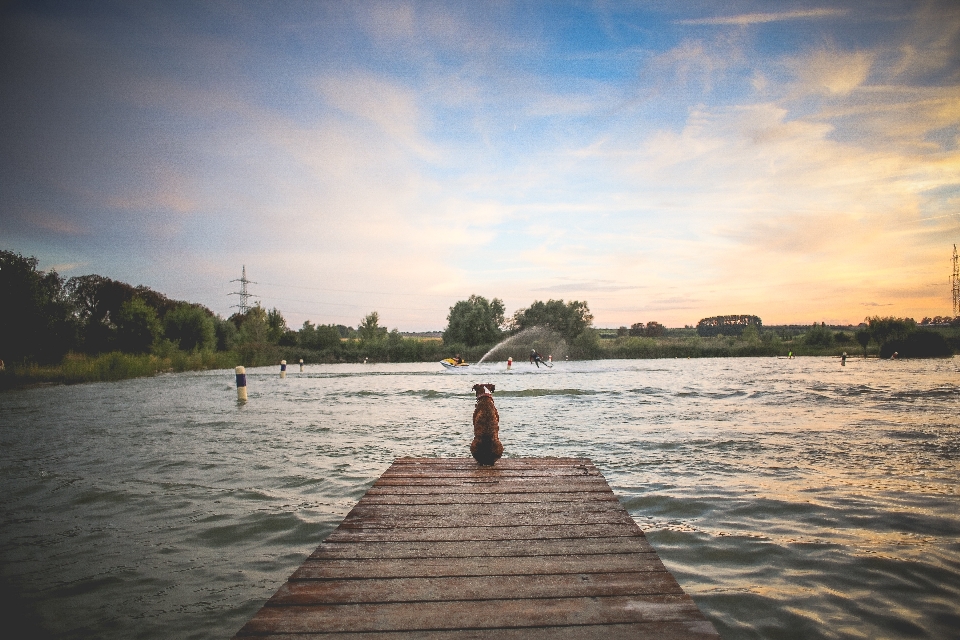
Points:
point(241, 384)
point(283, 368)
point(509, 362)
point(301, 365)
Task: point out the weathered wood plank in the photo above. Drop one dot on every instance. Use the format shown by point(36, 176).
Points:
point(490, 488)
point(493, 566)
point(687, 630)
point(427, 497)
point(503, 463)
point(544, 472)
point(472, 614)
point(473, 549)
point(452, 588)
point(526, 532)
point(377, 519)
point(465, 512)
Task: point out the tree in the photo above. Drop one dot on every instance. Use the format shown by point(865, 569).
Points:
point(276, 325)
point(474, 321)
point(818, 336)
point(321, 337)
point(252, 326)
point(137, 326)
point(883, 330)
point(654, 330)
point(732, 325)
point(569, 320)
point(191, 327)
point(370, 329)
point(226, 333)
point(36, 320)
point(863, 337)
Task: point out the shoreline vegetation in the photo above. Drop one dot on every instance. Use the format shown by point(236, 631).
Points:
point(92, 328)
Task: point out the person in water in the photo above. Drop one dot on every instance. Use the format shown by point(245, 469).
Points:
point(535, 358)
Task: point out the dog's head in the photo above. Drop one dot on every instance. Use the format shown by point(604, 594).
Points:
point(483, 389)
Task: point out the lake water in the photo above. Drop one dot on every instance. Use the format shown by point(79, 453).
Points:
point(791, 498)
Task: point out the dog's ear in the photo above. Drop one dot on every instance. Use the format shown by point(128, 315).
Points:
point(478, 388)
point(491, 387)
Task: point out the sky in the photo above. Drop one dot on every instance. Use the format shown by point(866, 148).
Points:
point(799, 161)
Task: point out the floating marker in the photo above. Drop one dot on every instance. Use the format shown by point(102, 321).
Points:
point(301, 365)
point(241, 384)
point(283, 368)
point(509, 362)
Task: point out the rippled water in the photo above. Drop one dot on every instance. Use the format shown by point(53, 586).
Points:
point(791, 498)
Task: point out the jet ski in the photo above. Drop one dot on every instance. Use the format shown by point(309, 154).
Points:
point(450, 363)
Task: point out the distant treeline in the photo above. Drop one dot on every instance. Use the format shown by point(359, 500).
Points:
point(92, 327)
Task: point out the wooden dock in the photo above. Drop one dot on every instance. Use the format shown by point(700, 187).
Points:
point(441, 548)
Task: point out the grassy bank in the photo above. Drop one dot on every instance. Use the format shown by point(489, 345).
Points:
point(76, 368)
point(718, 347)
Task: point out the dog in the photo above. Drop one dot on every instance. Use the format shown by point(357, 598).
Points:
point(486, 447)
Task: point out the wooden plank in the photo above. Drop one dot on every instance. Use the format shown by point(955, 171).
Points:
point(483, 497)
point(474, 549)
point(377, 519)
point(453, 533)
point(445, 549)
point(494, 566)
point(684, 630)
point(539, 484)
point(493, 472)
point(503, 463)
point(452, 588)
point(472, 614)
point(467, 512)
point(489, 488)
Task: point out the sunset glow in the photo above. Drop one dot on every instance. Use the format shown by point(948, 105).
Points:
point(799, 162)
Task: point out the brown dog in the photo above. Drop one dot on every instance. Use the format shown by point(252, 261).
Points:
point(486, 447)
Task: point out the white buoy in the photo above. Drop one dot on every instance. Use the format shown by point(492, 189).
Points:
point(509, 362)
point(241, 384)
point(283, 368)
point(301, 365)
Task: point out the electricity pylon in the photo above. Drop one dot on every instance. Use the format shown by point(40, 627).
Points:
point(244, 294)
point(955, 282)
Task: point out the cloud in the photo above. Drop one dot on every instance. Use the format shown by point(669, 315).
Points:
point(834, 72)
point(389, 106)
point(747, 19)
point(57, 224)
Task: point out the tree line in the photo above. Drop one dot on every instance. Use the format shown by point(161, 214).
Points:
point(45, 317)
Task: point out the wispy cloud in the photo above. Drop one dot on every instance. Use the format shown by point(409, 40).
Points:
point(746, 19)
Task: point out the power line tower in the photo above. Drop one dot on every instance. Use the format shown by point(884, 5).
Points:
point(955, 282)
point(243, 293)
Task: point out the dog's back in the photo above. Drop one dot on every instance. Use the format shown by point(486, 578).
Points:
point(486, 447)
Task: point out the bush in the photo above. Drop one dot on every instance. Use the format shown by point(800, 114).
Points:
point(818, 336)
point(921, 343)
point(190, 327)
